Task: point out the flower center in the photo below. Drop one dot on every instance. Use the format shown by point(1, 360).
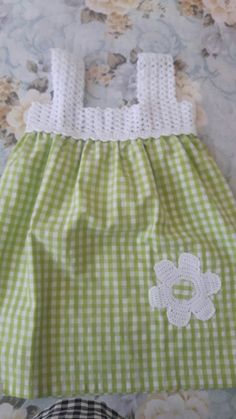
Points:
point(183, 289)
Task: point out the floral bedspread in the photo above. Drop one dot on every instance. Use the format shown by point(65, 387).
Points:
point(200, 34)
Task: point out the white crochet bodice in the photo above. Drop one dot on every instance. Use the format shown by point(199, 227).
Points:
point(157, 112)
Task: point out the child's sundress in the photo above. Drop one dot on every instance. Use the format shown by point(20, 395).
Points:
point(117, 269)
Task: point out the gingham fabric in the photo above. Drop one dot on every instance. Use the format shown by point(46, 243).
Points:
point(83, 223)
point(78, 409)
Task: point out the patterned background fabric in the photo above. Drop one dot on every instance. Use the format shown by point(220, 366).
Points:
point(200, 34)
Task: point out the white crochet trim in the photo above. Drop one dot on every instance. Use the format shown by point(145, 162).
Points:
point(157, 112)
point(179, 310)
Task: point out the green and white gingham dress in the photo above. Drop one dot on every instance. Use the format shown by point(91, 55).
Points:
point(117, 269)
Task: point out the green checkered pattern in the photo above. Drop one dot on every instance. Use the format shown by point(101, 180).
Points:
point(82, 224)
point(183, 290)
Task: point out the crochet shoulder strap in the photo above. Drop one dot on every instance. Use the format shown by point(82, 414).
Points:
point(155, 78)
point(67, 81)
point(156, 113)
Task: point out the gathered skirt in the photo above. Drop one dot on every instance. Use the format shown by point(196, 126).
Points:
point(82, 226)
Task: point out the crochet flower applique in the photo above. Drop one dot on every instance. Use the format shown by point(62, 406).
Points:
point(184, 291)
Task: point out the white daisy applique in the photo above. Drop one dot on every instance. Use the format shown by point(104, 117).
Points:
point(184, 291)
